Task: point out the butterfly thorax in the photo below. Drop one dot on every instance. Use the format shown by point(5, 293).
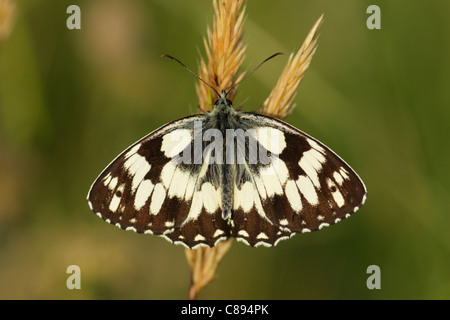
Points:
point(223, 116)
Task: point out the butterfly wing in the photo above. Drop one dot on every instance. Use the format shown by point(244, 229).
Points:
point(304, 188)
point(145, 190)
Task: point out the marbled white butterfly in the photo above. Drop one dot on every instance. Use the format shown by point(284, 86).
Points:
point(204, 178)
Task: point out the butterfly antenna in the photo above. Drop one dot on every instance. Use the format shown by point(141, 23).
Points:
point(182, 64)
point(267, 59)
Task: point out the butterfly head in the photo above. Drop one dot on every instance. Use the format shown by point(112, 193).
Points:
point(222, 102)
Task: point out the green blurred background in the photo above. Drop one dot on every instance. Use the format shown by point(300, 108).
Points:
point(71, 100)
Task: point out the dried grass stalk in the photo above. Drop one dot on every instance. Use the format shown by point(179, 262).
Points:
point(203, 263)
point(279, 103)
point(224, 52)
point(7, 10)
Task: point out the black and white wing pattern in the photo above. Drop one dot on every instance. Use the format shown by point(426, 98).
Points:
point(147, 191)
point(304, 188)
point(158, 186)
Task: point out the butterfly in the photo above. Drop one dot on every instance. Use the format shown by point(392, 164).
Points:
point(204, 178)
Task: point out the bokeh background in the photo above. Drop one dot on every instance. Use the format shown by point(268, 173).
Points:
point(71, 100)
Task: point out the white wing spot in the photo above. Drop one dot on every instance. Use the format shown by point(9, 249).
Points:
point(196, 207)
point(307, 189)
point(343, 173)
point(218, 233)
point(245, 197)
point(280, 239)
point(167, 173)
point(199, 237)
point(205, 166)
point(337, 195)
point(315, 145)
point(293, 195)
point(219, 240)
point(165, 237)
point(258, 204)
point(311, 164)
point(115, 201)
point(179, 184)
point(281, 169)
point(175, 142)
point(338, 178)
point(262, 235)
point(243, 240)
point(112, 183)
point(190, 187)
point(107, 179)
point(262, 243)
point(318, 156)
point(133, 150)
point(243, 233)
point(182, 244)
point(137, 167)
point(158, 197)
point(324, 224)
point(169, 224)
point(271, 181)
point(143, 194)
point(260, 186)
point(209, 195)
point(271, 139)
point(169, 231)
point(283, 222)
